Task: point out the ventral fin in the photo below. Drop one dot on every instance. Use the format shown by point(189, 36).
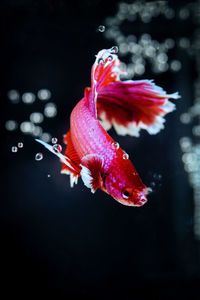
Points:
point(91, 171)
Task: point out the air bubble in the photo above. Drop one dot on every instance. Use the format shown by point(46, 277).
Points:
point(38, 156)
point(14, 149)
point(57, 148)
point(50, 110)
point(11, 125)
point(36, 117)
point(101, 28)
point(44, 94)
point(114, 49)
point(48, 175)
point(13, 96)
point(46, 137)
point(110, 58)
point(54, 140)
point(100, 61)
point(115, 145)
point(20, 145)
point(27, 127)
point(28, 98)
point(125, 156)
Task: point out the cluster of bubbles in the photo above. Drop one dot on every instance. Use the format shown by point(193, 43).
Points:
point(33, 125)
point(57, 148)
point(145, 49)
point(191, 147)
point(14, 149)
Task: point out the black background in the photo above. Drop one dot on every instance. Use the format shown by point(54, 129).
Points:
point(63, 242)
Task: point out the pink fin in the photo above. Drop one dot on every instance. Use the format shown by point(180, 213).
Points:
point(105, 70)
point(72, 155)
point(133, 105)
point(91, 171)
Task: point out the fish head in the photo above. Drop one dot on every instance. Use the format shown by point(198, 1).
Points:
point(125, 186)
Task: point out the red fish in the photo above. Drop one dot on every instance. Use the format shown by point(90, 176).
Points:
point(128, 106)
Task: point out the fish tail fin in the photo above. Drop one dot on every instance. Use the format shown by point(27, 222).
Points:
point(127, 105)
point(130, 105)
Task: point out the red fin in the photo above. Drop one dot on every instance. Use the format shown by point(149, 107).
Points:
point(91, 171)
point(74, 159)
point(132, 105)
point(105, 70)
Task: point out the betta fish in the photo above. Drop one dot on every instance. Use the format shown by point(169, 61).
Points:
point(128, 106)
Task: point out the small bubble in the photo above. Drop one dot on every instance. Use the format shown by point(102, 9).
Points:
point(36, 117)
point(48, 175)
point(13, 96)
point(44, 94)
point(152, 184)
point(28, 98)
point(101, 28)
point(100, 61)
point(50, 110)
point(46, 137)
point(11, 125)
point(125, 156)
point(110, 58)
point(114, 49)
point(175, 65)
point(38, 156)
point(20, 145)
point(57, 148)
point(14, 149)
point(27, 127)
point(115, 145)
point(54, 140)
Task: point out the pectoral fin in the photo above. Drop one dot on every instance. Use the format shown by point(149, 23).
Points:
point(91, 172)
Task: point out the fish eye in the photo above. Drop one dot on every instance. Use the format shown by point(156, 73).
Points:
point(125, 194)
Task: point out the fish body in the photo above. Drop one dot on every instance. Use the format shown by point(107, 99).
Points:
point(128, 106)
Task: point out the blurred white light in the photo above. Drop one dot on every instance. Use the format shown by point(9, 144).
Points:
point(196, 130)
point(185, 118)
point(186, 144)
point(162, 58)
point(44, 94)
point(184, 42)
point(184, 13)
point(11, 125)
point(46, 137)
point(37, 131)
point(27, 127)
point(50, 110)
point(28, 98)
point(175, 65)
point(13, 96)
point(139, 69)
point(36, 117)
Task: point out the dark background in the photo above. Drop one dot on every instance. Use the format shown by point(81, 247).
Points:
point(63, 242)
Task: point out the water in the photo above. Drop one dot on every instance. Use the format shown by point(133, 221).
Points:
point(38, 156)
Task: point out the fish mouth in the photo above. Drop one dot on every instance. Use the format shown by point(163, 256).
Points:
point(142, 201)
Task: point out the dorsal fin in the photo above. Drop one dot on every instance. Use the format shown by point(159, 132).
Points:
point(104, 71)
